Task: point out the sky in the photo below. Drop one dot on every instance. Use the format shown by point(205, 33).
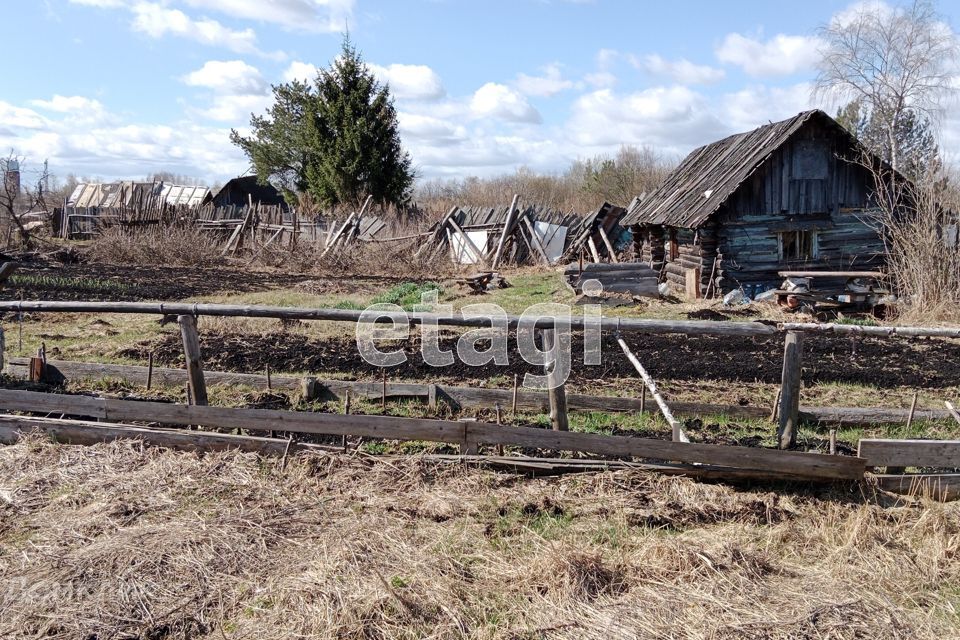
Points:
point(120, 89)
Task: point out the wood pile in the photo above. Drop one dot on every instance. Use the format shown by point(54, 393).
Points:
point(596, 235)
point(495, 236)
point(634, 279)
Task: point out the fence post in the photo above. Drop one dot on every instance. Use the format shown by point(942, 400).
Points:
point(790, 390)
point(191, 353)
point(557, 392)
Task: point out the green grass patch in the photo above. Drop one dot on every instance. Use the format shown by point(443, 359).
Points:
point(408, 295)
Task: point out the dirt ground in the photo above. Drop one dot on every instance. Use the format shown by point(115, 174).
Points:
point(118, 541)
point(902, 362)
point(138, 283)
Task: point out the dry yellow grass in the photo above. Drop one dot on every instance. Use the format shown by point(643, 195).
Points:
point(116, 541)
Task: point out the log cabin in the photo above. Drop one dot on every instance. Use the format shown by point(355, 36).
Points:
point(785, 196)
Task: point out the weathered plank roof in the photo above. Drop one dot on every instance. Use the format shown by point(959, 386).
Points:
point(709, 175)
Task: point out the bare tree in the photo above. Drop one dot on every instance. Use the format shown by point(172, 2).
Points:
point(19, 196)
point(895, 60)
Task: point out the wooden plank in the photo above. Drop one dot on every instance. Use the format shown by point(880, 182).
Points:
point(593, 249)
point(943, 487)
point(535, 241)
point(790, 390)
point(790, 462)
point(608, 244)
point(191, 353)
point(507, 229)
point(692, 282)
point(466, 397)
point(810, 465)
point(880, 452)
point(88, 433)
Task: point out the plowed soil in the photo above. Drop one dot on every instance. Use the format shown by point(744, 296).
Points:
point(916, 362)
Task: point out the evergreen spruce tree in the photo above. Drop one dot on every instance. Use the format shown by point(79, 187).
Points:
point(336, 139)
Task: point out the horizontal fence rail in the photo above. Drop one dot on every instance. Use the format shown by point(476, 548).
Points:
point(607, 324)
point(627, 325)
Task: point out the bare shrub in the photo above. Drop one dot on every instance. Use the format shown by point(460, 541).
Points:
point(398, 259)
point(173, 245)
point(918, 223)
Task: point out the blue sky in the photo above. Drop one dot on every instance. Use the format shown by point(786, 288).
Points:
point(123, 88)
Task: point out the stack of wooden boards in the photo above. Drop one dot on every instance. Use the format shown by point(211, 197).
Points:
point(634, 279)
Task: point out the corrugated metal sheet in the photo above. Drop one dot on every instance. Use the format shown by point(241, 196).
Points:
point(711, 174)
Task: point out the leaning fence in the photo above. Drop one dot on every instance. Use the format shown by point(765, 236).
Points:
point(469, 435)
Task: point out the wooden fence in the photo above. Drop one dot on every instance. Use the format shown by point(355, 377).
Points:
point(468, 434)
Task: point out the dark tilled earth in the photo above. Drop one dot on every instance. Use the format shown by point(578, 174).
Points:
point(125, 283)
point(916, 362)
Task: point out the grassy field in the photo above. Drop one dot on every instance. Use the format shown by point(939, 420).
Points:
point(119, 541)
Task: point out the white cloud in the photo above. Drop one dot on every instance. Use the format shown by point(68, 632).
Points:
point(156, 21)
point(600, 79)
point(236, 109)
point(670, 118)
point(20, 117)
point(114, 149)
point(69, 104)
point(681, 71)
point(298, 15)
point(429, 130)
point(494, 100)
point(302, 71)
point(102, 4)
point(409, 81)
point(230, 76)
point(754, 106)
point(781, 55)
point(550, 83)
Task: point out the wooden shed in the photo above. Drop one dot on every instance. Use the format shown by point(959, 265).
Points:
point(245, 189)
point(785, 196)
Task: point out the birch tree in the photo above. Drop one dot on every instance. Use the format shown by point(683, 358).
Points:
point(894, 60)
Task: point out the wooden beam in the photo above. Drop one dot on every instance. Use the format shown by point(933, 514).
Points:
point(609, 245)
point(191, 353)
point(556, 392)
point(609, 323)
point(75, 432)
point(880, 452)
point(535, 241)
point(794, 464)
point(88, 433)
point(593, 249)
point(675, 426)
point(848, 329)
point(479, 256)
point(937, 486)
point(790, 390)
point(952, 410)
point(507, 228)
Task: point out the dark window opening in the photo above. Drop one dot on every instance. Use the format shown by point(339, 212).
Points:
point(798, 245)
